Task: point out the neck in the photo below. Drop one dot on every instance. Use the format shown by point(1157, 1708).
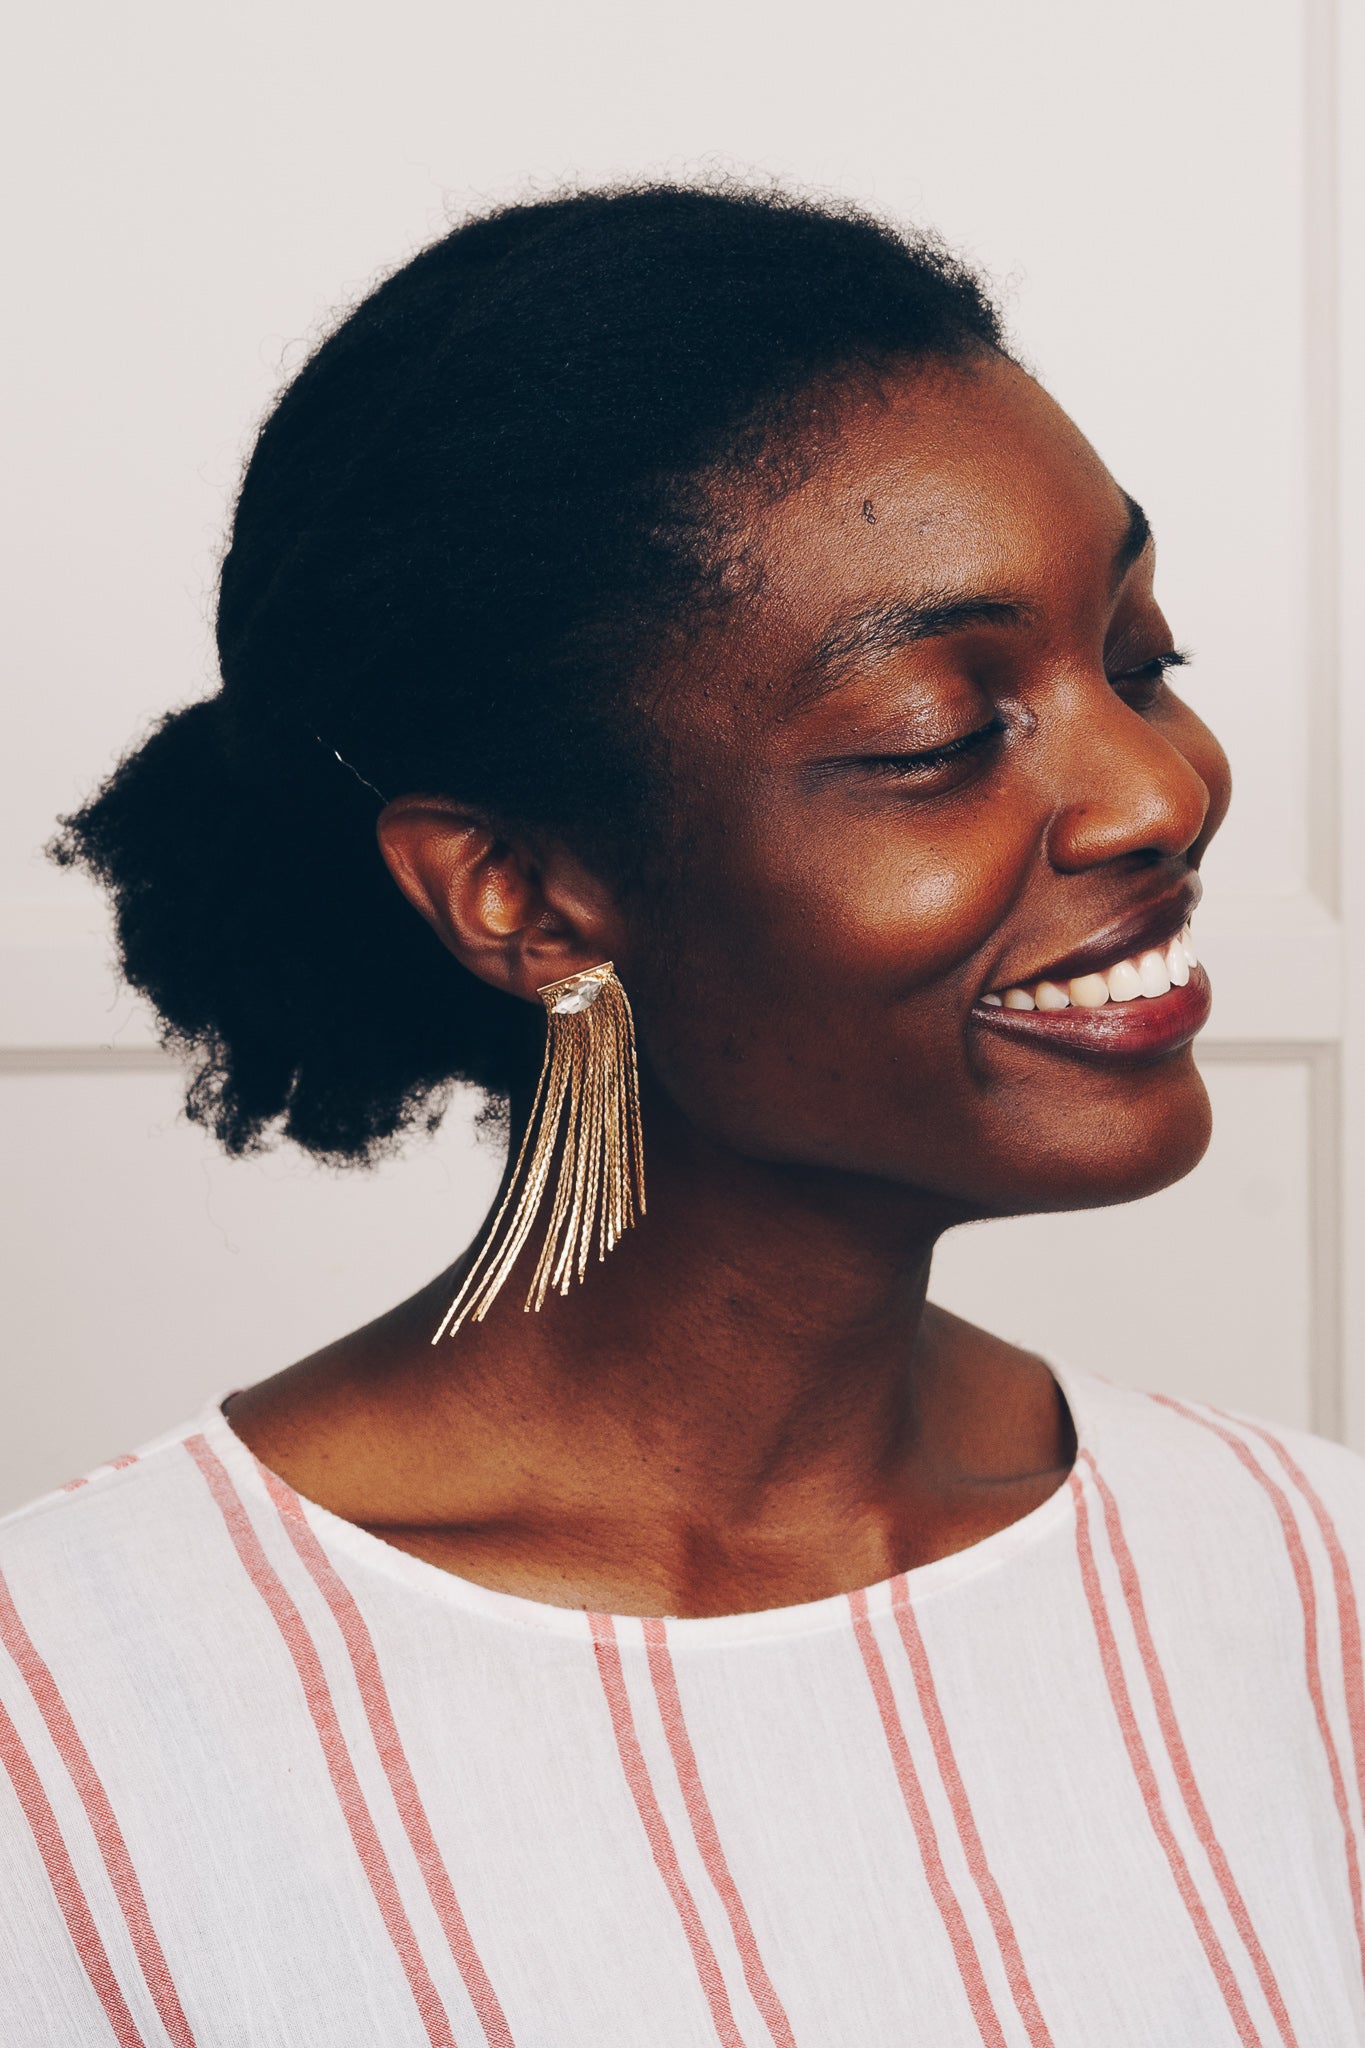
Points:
point(750, 1391)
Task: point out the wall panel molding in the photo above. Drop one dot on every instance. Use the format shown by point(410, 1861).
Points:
point(1322, 1063)
point(1322, 437)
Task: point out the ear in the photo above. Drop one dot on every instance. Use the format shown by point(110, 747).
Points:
point(515, 914)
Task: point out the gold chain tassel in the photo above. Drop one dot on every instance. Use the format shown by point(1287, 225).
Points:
point(589, 1085)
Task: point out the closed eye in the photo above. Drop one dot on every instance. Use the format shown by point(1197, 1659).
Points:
point(1139, 686)
point(933, 758)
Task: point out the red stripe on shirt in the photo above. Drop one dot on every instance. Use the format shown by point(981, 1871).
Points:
point(308, 1665)
point(1146, 1776)
point(707, 1838)
point(972, 1847)
point(389, 1744)
point(1180, 1758)
point(1348, 1613)
point(66, 1885)
point(75, 1756)
point(1303, 1579)
point(912, 1792)
point(656, 1827)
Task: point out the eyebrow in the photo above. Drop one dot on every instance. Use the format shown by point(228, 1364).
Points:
point(882, 628)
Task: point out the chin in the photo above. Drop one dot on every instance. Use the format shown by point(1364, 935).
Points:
point(1095, 1147)
point(1119, 1150)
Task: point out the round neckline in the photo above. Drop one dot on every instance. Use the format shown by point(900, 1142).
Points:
point(806, 1617)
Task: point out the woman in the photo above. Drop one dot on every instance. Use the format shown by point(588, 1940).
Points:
point(694, 583)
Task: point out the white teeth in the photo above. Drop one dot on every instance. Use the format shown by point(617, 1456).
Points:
point(1151, 973)
point(1124, 982)
point(1088, 991)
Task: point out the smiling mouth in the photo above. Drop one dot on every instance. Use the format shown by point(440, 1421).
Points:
point(1145, 976)
point(1148, 1003)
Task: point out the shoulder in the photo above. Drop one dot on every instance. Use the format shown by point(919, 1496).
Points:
point(1211, 1472)
point(132, 1550)
point(109, 1494)
point(135, 1648)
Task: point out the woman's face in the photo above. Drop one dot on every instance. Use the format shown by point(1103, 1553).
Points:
point(932, 758)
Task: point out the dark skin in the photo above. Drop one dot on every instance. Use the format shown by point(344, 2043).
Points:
point(751, 1404)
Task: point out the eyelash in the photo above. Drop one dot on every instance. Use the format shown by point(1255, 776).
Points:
point(1145, 681)
point(1140, 682)
point(936, 757)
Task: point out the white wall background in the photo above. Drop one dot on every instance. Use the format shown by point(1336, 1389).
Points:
point(1172, 196)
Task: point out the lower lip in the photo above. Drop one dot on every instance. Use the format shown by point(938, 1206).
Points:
point(1147, 1028)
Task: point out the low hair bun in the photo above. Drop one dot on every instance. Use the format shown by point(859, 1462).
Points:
point(254, 912)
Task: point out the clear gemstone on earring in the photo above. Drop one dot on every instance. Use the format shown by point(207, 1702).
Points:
point(575, 998)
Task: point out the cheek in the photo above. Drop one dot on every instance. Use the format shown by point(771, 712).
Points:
point(1205, 755)
point(896, 915)
point(810, 971)
point(1217, 773)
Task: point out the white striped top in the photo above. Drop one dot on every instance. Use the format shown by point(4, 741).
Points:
point(1095, 1782)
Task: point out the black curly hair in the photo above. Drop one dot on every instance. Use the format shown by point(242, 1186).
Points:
point(494, 485)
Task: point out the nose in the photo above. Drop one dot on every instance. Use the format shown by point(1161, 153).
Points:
point(1129, 789)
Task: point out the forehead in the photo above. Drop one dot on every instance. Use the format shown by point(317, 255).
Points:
point(936, 481)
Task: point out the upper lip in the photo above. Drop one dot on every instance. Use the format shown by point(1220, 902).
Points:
point(1149, 924)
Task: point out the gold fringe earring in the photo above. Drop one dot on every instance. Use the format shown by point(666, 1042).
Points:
point(590, 1072)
